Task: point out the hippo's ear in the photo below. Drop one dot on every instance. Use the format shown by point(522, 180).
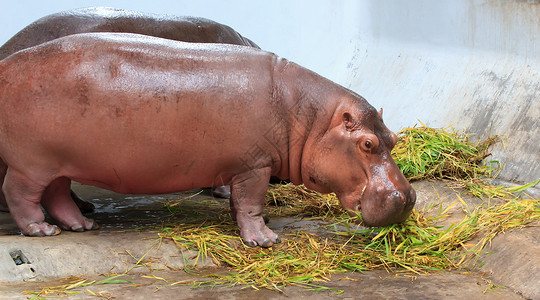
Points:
point(380, 112)
point(348, 121)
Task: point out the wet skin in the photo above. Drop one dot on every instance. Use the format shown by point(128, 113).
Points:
point(160, 116)
point(105, 19)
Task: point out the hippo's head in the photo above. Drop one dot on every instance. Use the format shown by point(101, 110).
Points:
point(352, 158)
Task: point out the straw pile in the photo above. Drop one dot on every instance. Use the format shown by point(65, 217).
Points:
point(429, 153)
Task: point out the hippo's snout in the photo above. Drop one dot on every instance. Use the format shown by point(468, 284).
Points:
point(394, 207)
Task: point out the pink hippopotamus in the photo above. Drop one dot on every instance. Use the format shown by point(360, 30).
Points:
point(106, 19)
point(145, 115)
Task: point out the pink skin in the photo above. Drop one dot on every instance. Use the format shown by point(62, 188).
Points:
point(105, 19)
point(137, 114)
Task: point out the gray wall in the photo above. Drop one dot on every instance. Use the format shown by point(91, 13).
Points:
point(471, 63)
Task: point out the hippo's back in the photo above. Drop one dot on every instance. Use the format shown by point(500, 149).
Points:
point(104, 19)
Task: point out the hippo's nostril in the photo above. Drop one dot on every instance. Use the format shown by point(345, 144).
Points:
point(399, 195)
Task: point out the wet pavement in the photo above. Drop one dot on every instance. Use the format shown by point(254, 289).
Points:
point(129, 225)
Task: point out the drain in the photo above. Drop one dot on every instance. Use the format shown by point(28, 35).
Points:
point(19, 258)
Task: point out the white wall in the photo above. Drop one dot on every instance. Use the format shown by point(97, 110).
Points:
point(474, 63)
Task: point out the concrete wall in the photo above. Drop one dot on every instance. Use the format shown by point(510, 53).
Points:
point(471, 63)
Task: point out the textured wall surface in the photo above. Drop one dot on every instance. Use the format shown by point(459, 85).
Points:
point(471, 63)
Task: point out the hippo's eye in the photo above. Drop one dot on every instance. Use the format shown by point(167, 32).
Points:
point(368, 142)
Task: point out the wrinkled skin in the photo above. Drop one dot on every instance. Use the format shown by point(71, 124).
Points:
point(136, 114)
point(105, 19)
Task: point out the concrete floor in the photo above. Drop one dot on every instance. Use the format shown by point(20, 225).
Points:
point(115, 248)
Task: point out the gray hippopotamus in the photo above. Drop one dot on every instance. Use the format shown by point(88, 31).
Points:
point(145, 115)
point(106, 19)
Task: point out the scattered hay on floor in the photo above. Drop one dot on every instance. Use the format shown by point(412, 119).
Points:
point(308, 260)
point(73, 287)
point(291, 200)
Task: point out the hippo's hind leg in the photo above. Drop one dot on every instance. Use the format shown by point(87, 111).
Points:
point(247, 202)
point(57, 201)
point(23, 197)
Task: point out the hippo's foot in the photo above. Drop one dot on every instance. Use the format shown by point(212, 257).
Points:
point(58, 201)
point(84, 206)
point(223, 191)
point(255, 233)
point(247, 202)
point(79, 225)
point(40, 229)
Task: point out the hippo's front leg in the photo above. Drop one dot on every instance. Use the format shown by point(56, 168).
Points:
point(248, 191)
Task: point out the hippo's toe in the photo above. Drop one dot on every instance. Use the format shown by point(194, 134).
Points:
point(250, 243)
point(41, 229)
point(83, 225)
point(265, 238)
point(267, 243)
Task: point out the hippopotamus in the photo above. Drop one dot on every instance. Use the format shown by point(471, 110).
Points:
point(144, 115)
point(106, 19)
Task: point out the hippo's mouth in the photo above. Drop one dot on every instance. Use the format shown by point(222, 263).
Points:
point(352, 203)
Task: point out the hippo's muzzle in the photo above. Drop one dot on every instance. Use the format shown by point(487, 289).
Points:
point(394, 207)
point(383, 207)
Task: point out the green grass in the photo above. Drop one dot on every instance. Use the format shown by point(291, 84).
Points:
point(431, 153)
